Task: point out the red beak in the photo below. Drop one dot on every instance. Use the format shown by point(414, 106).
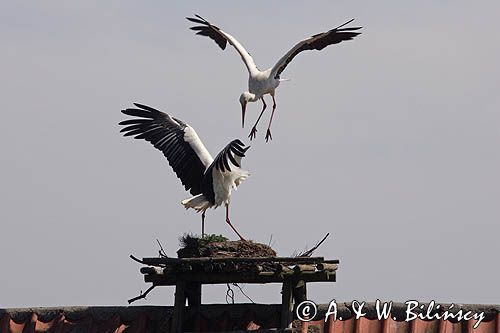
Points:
point(243, 109)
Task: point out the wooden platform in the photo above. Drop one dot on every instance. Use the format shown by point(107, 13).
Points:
point(189, 274)
point(167, 271)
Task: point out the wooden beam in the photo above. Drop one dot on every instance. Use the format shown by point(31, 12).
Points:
point(294, 260)
point(304, 268)
point(327, 267)
point(218, 278)
point(179, 305)
point(286, 304)
point(333, 261)
point(151, 270)
point(282, 269)
point(193, 294)
point(299, 292)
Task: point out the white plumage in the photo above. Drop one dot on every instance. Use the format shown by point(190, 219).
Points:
point(209, 180)
point(265, 82)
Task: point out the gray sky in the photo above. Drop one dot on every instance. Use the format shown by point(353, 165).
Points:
point(389, 142)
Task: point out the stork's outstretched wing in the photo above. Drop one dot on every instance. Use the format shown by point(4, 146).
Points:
point(233, 153)
point(221, 38)
point(316, 42)
point(178, 141)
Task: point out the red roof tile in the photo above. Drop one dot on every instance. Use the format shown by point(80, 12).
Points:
point(213, 318)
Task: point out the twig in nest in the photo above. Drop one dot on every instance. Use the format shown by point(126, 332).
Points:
point(136, 259)
point(271, 243)
point(141, 295)
point(308, 253)
point(161, 252)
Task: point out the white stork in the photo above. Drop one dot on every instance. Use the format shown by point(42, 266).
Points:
point(209, 180)
point(265, 82)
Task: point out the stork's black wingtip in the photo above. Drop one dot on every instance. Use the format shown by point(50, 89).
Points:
point(195, 20)
point(128, 112)
point(340, 26)
point(141, 106)
point(239, 142)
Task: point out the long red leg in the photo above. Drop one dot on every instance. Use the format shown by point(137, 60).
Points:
point(229, 222)
point(203, 224)
point(253, 132)
point(268, 134)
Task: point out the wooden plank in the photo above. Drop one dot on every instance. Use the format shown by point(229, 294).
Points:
point(179, 304)
point(193, 294)
point(332, 261)
point(282, 269)
point(286, 305)
point(257, 268)
point(304, 268)
point(218, 278)
point(299, 292)
point(293, 260)
point(152, 270)
point(208, 267)
point(327, 267)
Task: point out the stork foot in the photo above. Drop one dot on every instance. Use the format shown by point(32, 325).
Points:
point(253, 133)
point(268, 135)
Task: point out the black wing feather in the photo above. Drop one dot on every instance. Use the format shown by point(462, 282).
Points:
point(322, 40)
point(221, 161)
point(192, 19)
point(166, 134)
point(231, 158)
point(209, 30)
point(133, 121)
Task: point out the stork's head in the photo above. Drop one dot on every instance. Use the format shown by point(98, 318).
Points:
point(244, 99)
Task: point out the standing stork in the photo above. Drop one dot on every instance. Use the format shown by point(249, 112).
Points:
point(265, 82)
point(209, 180)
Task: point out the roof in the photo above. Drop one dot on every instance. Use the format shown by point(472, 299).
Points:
point(84, 319)
point(396, 321)
point(218, 317)
point(136, 319)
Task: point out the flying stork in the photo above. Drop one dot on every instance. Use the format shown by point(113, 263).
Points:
point(265, 82)
point(209, 180)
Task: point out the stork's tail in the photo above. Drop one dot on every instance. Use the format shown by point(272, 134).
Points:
point(239, 176)
point(198, 202)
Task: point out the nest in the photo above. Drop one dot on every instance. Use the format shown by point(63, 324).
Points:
point(217, 246)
